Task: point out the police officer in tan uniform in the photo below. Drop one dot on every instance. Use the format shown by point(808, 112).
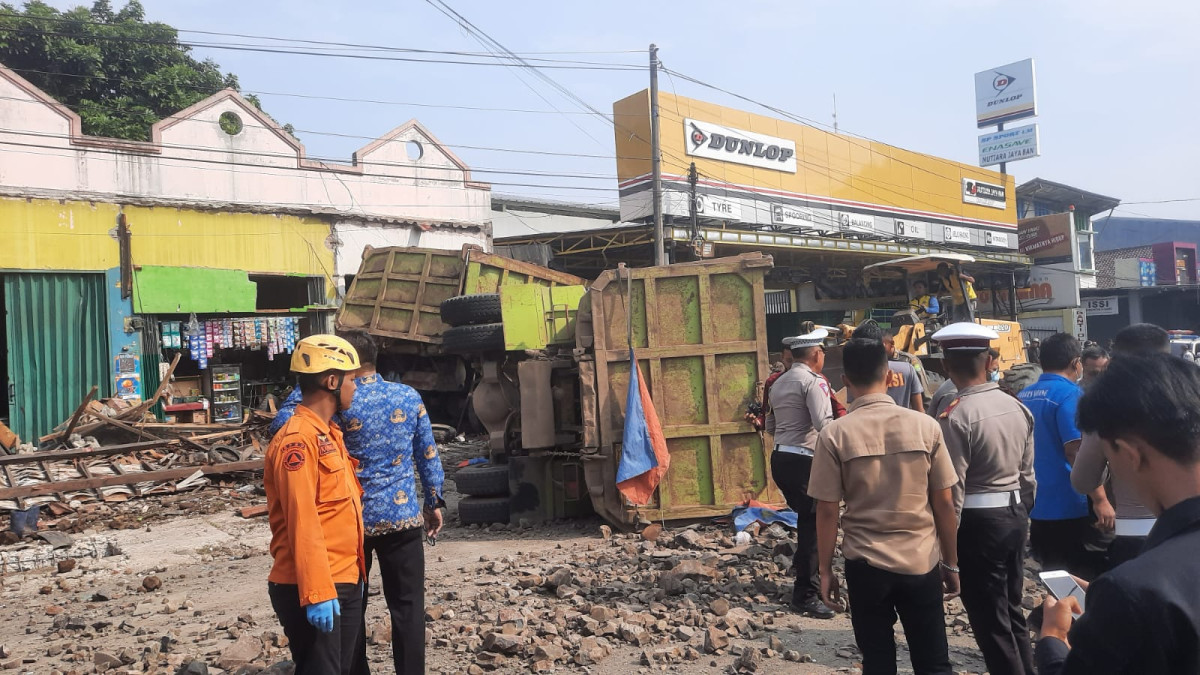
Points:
point(990, 436)
point(891, 467)
point(800, 408)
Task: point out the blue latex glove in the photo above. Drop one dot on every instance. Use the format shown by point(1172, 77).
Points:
point(321, 614)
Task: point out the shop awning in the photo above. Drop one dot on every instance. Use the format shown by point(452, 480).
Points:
point(184, 290)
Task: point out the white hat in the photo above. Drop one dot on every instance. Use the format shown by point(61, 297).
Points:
point(812, 339)
point(965, 336)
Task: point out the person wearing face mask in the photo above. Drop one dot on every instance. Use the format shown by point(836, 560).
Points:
point(990, 438)
point(947, 391)
point(993, 365)
point(1060, 519)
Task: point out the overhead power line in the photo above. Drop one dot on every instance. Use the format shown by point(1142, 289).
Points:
point(75, 22)
point(301, 52)
point(120, 155)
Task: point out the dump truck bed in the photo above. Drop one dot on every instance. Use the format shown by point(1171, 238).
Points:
point(700, 338)
point(398, 291)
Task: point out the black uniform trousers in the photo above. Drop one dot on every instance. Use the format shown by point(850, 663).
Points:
point(791, 472)
point(877, 596)
point(1060, 544)
point(991, 555)
point(402, 569)
point(1124, 549)
point(314, 652)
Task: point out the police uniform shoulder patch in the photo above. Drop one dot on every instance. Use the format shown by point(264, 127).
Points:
point(293, 455)
point(824, 385)
point(949, 409)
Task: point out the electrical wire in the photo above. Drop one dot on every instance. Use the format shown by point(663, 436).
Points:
point(74, 22)
point(123, 156)
point(811, 122)
point(339, 99)
point(300, 52)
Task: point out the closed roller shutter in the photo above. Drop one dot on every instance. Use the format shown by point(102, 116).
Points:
point(57, 347)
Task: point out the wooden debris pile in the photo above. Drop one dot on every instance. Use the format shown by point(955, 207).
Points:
point(108, 452)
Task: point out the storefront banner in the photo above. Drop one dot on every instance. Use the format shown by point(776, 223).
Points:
point(1106, 306)
point(959, 235)
point(1047, 238)
point(708, 206)
point(912, 229)
point(983, 194)
point(1009, 145)
point(713, 141)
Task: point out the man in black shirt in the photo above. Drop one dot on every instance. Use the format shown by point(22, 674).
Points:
point(1144, 615)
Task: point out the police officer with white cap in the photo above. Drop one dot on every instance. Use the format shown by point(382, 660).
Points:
point(799, 408)
point(990, 438)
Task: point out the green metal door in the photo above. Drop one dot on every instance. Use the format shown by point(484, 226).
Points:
point(57, 347)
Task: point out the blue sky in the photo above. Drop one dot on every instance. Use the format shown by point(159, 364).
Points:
point(1117, 81)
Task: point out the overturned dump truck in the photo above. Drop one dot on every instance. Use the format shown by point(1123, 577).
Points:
point(542, 366)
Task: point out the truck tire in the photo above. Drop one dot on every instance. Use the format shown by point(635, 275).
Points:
point(487, 480)
point(469, 310)
point(483, 510)
point(482, 338)
point(444, 433)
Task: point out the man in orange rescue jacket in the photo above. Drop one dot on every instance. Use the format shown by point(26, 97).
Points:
point(315, 509)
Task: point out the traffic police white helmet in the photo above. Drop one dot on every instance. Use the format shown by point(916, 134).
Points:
point(813, 339)
point(965, 336)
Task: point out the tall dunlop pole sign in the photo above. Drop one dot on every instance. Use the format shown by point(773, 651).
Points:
point(1006, 94)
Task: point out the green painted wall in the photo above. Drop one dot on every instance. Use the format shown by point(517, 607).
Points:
point(203, 290)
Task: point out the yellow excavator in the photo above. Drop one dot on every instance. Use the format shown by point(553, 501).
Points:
point(912, 327)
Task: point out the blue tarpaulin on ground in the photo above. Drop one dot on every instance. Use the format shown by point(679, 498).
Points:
point(743, 516)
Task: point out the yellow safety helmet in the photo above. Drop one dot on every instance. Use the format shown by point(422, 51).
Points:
point(318, 353)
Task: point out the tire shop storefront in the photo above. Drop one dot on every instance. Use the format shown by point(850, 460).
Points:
point(823, 205)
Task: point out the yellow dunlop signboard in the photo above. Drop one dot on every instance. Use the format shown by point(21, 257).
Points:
point(763, 172)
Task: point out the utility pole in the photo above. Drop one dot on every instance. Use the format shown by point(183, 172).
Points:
point(835, 126)
point(1003, 165)
point(660, 257)
point(693, 177)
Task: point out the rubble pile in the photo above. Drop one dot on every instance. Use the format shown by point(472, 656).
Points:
point(112, 451)
point(689, 596)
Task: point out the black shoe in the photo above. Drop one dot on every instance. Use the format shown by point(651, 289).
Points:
point(813, 607)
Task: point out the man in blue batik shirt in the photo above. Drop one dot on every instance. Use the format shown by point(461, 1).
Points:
point(387, 430)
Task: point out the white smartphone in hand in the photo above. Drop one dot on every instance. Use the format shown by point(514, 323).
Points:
point(1062, 585)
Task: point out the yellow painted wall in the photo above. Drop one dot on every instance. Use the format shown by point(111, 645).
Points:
point(49, 235)
point(828, 165)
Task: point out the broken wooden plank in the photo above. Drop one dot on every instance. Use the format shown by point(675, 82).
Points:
point(34, 457)
point(254, 511)
point(148, 476)
point(141, 433)
point(78, 412)
point(12, 481)
point(186, 427)
point(8, 439)
point(220, 434)
point(46, 470)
